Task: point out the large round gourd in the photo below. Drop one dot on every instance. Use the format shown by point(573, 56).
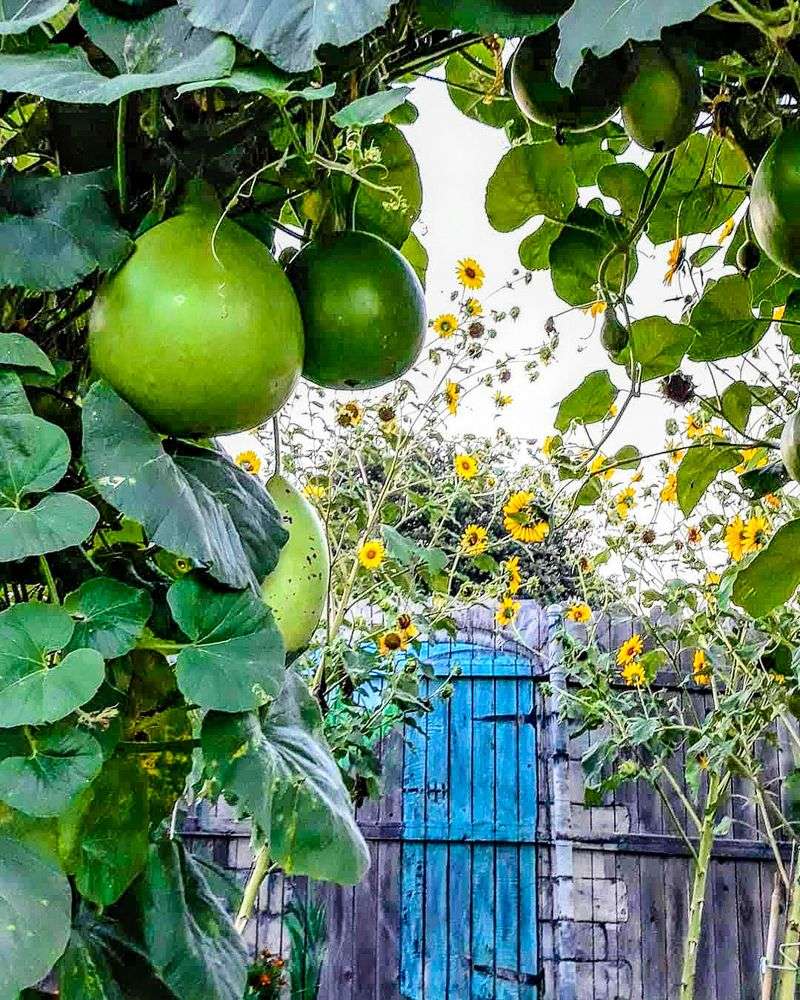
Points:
point(775, 201)
point(363, 311)
point(199, 330)
point(296, 590)
point(661, 104)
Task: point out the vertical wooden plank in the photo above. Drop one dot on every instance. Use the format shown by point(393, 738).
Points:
point(436, 823)
point(507, 886)
point(412, 913)
point(387, 945)
point(365, 921)
point(483, 825)
point(528, 795)
point(725, 928)
point(751, 929)
point(337, 974)
point(460, 859)
point(676, 875)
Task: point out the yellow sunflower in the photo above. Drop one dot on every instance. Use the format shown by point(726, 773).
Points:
point(511, 567)
point(349, 414)
point(712, 578)
point(700, 670)
point(735, 539)
point(669, 491)
point(466, 466)
point(633, 674)
point(475, 540)
point(501, 400)
point(249, 461)
point(406, 627)
point(630, 650)
point(579, 613)
point(624, 501)
point(473, 307)
point(451, 395)
point(469, 273)
point(755, 533)
point(522, 520)
point(372, 553)
point(694, 535)
point(674, 261)
point(315, 491)
point(597, 464)
point(547, 445)
point(695, 426)
point(507, 611)
point(772, 501)
point(445, 325)
point(391, 642)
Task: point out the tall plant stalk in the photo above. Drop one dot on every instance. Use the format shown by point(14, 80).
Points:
point(699, 883)
point(790, 950)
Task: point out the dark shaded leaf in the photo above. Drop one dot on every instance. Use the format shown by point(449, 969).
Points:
point(472, 88)
point(281, 772)
point(109, 616)
point(507, 18)
point(758, 482)
point(18, 351)
point(770, 580)
point(576, 256)
point(56, 230)
point(375, 211)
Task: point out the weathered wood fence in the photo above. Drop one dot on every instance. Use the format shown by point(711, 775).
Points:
point(462, 901)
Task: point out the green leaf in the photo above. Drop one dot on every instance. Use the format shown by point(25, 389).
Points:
point(19, 15)
point(109, 616)
point(587, 155)
point(736, 403)
point(281, 772)
point(32, 689)
point(54, 231)
point(507, 18)
point(471, 81)
point(758, 482)
point(84, 971)
point(530, 181)
point(588, 403)
point(417, 256)
point(659, 345)
point(702, 256)
point(375, 211)
point(289, 32)
point(103, 838)
point(372, 109)
point(57, 522)
point(235, 661)
point(197, 504)
point(790, 328)
point(162, 50)
point(406, 552)
point(576, 256)
point(41, 771)
point(189, 937)
point(625, 182)
point(603, 26)
point(771, 579)
point(263, 79)
point(698, 469)
point(13, 398)
point(18, 351)
point(534, 251)
point(693, 201)
point(35, 917)
point(724, 320)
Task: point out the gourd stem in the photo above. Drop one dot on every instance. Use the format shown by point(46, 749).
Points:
point(49, 579)
point(260, 871)
point(122, 179)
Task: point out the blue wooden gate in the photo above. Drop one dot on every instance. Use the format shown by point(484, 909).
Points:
point(468, 905)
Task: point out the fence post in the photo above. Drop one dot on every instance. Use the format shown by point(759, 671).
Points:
point(562, 859)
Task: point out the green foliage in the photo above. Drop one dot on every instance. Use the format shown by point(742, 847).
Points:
point(589, 403)
point(723, 319)
point(698, 469)
point(658, 345)
point(772, 577)
point(530, 181)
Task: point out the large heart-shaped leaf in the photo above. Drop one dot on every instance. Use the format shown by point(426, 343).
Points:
point(84, 971)
point(109, 616)
point(694, 199)
point(289, 32)
point(33, 690)
point(41, 771)
point(771, 579)
point(235, 661)
point(534, 251)
point(162, 50)
point(699, 468)
point(626, 183)
point(35, 916)
point(16, 16)
point(578, 252)
point(280, 771)
point(55, 230)
point(603, 26)
point(372, 109)
point(188, 934)
point(471, 83)
point(658, 345)
point(375, 211)
point(724, 321)
point(589, 403)
point(736, 402)
point(57, 522)
point(529, 181)
point(198, 504)
point(103, 837)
